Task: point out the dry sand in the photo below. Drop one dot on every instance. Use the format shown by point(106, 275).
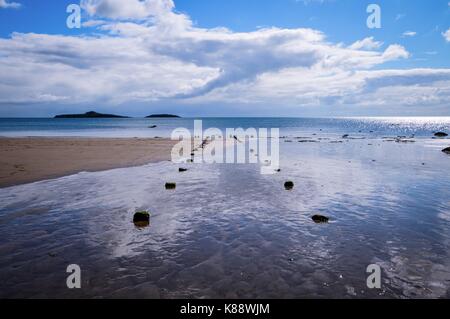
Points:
point(25, 160)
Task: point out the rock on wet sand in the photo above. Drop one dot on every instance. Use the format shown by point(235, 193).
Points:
point(289, 185)
point(141, 219)
point(441, 134)
point(171, 186)
point(319, 219)
point(446, 150)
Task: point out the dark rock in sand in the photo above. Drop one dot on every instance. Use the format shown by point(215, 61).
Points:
point(345, 136)
point(446, 150)
point(171, 186)
point(289, 185)
point(153, 126)
point(141, 219)
point(181, 170)
point(441, 134)
point(319, 219)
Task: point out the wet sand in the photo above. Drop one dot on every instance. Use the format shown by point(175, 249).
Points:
point(26, 160)
point(229, 232)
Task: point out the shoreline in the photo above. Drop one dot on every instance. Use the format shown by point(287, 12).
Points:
point(26, 160)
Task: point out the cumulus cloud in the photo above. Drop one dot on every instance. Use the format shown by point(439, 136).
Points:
point(148, 52)
point(367, 43)
point(446, 35)
point(6, 4)
point(160, 10)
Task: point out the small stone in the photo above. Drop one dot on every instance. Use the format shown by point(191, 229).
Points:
point(345, 136)
point(141, 219)
point(182, 170)
point(441, 134)
point(446, 150)
point(289, 185)
point(319, 219)
point(153, 126)
point(171, 186)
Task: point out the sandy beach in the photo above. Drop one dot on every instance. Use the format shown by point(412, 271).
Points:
point(26, 160)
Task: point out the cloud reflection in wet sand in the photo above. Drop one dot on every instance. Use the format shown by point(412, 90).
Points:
point(227, 231)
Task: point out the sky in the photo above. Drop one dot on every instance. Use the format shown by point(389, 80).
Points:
point(225, 58)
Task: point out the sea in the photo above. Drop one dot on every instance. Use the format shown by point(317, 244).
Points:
point(228, 231)
point(139, 127)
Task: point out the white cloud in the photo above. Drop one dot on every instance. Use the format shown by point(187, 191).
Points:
point(146, 56)
point(6, 4)
point(409, 33)
point(130, 9)
point(367, 43)
point(446, 35)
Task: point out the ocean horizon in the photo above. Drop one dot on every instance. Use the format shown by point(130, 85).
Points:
point(144, 127)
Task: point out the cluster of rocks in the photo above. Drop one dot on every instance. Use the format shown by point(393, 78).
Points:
point(442, 135)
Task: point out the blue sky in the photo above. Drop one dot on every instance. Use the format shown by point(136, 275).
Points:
point(411, 52)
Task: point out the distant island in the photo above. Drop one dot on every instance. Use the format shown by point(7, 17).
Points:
point(162, 116)
point(89, 115)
